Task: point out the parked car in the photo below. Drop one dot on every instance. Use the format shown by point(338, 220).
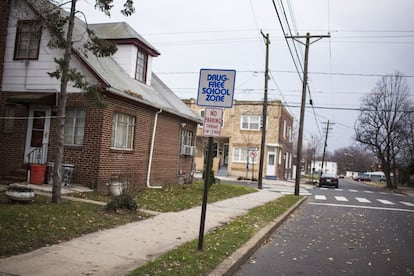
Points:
point(362, 177)
point(328, 179)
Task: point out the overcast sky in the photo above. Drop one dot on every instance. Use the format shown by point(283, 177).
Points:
point(368, 39)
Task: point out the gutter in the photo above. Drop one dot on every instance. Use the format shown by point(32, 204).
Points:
point(152, 151)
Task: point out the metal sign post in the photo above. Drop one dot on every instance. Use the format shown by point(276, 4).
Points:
point(253, 155)
point(205, 193)
point(216, 89)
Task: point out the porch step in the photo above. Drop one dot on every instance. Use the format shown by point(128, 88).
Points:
point(19, 175)
point(222, 171)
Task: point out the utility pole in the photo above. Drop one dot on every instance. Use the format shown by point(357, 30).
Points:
point(264, 114)
point(325, 145)
point(303, 103)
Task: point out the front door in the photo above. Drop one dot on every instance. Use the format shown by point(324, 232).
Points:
point(225, 154)
point(37, 138)
point(271, 162)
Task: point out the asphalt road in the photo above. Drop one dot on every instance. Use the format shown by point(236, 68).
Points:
point(354, 230)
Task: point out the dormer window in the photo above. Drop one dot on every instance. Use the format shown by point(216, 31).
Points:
point(27, 39)
point(141, 68)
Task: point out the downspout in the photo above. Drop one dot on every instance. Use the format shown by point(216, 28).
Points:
point(152, 151)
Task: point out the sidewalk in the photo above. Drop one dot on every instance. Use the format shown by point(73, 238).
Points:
point(119, 250)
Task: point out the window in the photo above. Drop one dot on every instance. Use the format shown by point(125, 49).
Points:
point(74, 126)
point(241, 154)
point(251, 122)
point(123, 127)
point(27, 39)
point(141, 69)
point(284, 129)
point(10, 113)
point(186, 141)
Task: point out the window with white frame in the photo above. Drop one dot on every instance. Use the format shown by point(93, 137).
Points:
point(141, 68)
point(74, 126)
point(123, 128)
point(284, 129)
point(250, 122)
point(241, 154)
point(186, 140)
point(27, 39)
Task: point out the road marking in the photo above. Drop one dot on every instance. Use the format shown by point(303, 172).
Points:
point(341, 198)
point(362, 200)
point(407, 203)
point(354, 191)
point(362, 207)
point(369, 192)
point(384, 201)
point(339, 190)
point(320, 197)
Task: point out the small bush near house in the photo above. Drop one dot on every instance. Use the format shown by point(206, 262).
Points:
point(122, 201)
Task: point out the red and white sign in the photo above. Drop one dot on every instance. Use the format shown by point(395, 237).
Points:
point(253, 154)
point(213, 118)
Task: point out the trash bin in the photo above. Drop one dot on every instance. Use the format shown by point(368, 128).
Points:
point(37, 174)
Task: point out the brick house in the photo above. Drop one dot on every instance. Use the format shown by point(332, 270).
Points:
point(144, 130)
point(241, 135)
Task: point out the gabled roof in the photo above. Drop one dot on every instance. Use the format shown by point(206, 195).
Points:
point(118, 82)
point(122, 31)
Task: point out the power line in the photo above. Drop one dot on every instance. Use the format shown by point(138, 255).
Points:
point(287, 42)
point(295, 72)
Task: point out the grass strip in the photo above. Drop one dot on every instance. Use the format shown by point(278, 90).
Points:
point(218, 244)
point(176, 198)
point(28, 226)
point(182, 197)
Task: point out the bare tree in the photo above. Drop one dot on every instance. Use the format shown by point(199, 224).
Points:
point(313, 146)
point(61, 25)
point(382, 121)
point(353, 158)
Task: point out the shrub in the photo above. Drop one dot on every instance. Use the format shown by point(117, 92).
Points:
point(122, 201)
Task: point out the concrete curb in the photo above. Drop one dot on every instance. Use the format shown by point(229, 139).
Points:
point(232, 264)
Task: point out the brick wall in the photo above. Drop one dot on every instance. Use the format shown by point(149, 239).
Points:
point(95, 162)
point(12, 144)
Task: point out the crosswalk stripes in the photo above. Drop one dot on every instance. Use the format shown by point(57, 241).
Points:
point(384, 201)
point(341, 198)
point(363, 200)
point(407, 203)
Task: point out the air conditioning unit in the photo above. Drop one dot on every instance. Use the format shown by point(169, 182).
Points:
point(188, 150)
